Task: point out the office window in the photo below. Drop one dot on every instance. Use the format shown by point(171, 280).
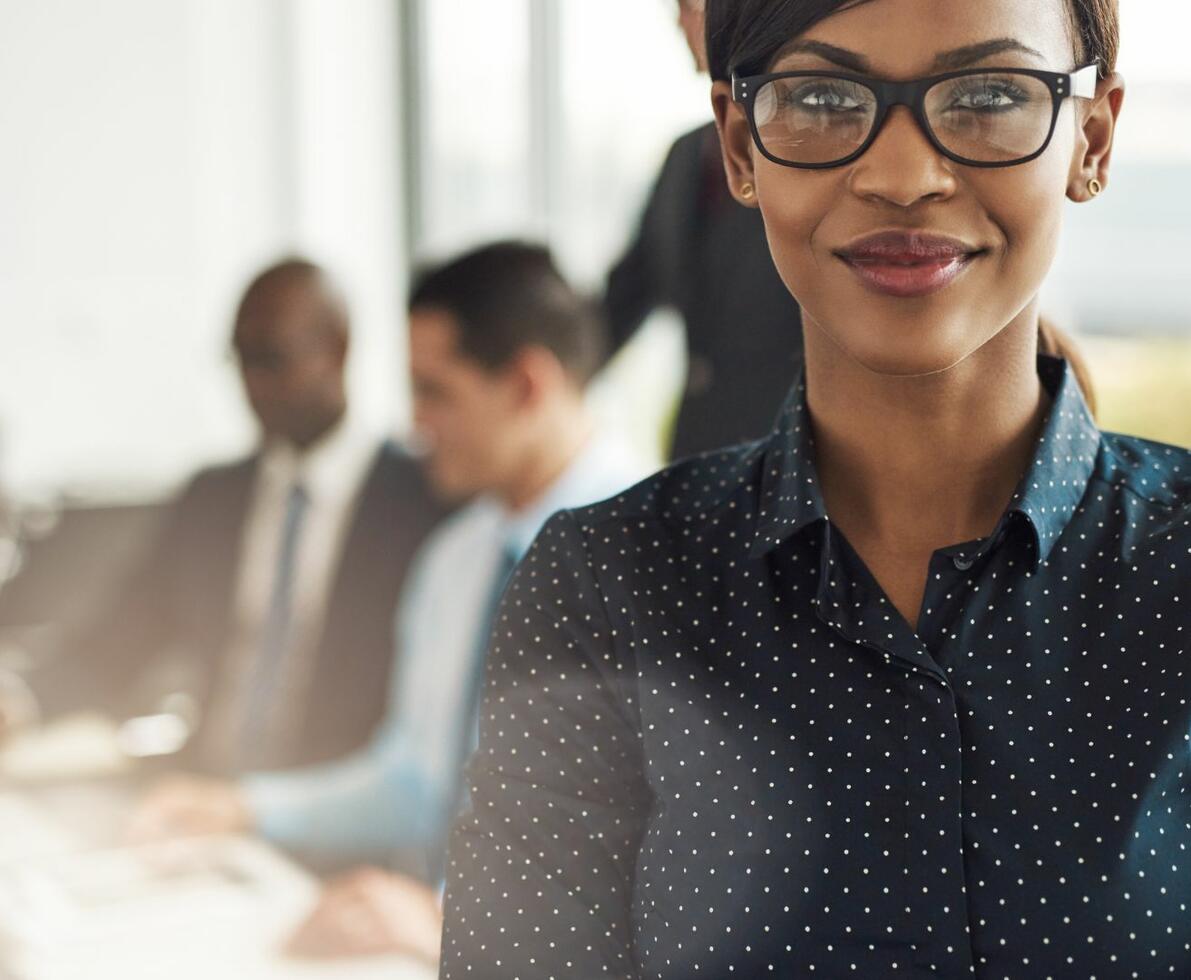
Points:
point(474, 136)
point(533, 124)
point(613, 128)
point(532, 121)
point(157, 155)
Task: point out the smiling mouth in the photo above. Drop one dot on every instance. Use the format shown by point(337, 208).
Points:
point(908, 264)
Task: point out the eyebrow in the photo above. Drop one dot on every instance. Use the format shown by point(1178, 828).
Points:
point(828, 52)
point(948, 60)
point(962, 57)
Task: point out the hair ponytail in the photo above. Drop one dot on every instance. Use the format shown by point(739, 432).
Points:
point(1053, 341)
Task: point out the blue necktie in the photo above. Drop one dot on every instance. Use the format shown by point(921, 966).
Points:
point(262, 707)
point(509, 556)
point(468, 724)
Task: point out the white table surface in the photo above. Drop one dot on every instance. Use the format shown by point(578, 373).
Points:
point(74, 905)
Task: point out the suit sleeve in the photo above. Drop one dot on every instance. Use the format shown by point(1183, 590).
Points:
point(99, 659)
point(636, 284)
point(541, 867)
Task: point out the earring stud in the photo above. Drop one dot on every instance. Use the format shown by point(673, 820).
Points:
point(748, 191)
point(1095, 187)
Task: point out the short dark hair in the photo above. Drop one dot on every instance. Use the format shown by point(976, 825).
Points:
point(334, 315)
point(743, 36)
point(507, 296)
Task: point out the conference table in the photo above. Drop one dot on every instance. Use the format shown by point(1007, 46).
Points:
point(79, 902)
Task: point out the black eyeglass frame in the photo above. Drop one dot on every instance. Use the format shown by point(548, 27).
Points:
point(1080, 83)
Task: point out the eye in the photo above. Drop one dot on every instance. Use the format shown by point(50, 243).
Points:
point(831, 98)
point(988, 96)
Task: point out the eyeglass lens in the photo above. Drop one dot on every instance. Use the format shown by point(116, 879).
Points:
point(996, 117)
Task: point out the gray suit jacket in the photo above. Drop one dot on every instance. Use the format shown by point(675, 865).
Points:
point(700, 252)
point(180, 598)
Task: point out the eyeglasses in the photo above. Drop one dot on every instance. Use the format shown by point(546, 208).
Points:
point(981, 117)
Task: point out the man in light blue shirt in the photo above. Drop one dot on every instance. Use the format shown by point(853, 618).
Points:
point(398, 791)
point(501, 350)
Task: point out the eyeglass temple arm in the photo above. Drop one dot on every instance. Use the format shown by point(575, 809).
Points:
point(1083, 82)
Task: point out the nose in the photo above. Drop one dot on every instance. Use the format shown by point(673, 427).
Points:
point(902, 167)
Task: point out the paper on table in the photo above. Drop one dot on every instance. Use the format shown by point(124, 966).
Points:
point(188, 909)
point(79, 747)
point(25, 834)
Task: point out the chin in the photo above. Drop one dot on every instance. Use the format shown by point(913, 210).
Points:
point(446, 484)
point(921, 344)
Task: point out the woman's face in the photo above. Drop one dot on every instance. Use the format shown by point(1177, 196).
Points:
point(1006, 220)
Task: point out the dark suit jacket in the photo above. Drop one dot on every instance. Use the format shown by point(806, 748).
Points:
point(180, 599)
point(700, 252)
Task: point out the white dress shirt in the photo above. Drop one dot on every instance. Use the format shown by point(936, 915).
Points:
point(396, 792)
point(332, 472)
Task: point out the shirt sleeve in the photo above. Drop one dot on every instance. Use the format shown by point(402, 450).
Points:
point(362, 806)
point(540, 870)
point(395, 792)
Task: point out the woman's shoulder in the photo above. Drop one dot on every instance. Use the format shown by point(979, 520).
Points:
point(1155, 472)
point(691, 490)
point(1147, 489)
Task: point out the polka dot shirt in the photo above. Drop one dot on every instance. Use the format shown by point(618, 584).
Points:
point(711, 747)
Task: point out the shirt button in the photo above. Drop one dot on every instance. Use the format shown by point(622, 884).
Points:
point(962, 563)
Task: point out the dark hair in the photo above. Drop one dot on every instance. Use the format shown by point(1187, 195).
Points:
point(334, 315)
point(507, 296)
point(743, 36)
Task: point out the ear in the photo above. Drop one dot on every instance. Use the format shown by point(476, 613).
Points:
point(1093, 147)
point(533, 374)
point(736, 143)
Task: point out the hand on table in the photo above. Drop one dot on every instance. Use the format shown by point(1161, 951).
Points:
point(370, 912)
point(18, 706)
point(188, 806)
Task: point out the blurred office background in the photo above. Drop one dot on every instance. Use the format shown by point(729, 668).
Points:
point(154, 154)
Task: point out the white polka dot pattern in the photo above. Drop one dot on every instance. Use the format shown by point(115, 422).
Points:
point(710, 746)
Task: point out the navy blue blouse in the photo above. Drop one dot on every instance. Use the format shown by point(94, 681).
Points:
point(711, 747)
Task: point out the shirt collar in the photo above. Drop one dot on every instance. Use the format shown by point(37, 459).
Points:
point(1046, 497)
point(602, 468)
point(790, 497)
point(1063, 461)
point(328, 468)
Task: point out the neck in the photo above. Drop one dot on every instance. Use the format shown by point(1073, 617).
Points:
point(913, 464)
point(557, 442)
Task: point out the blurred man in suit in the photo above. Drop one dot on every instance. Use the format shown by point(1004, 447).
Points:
point(274, 578)
point(698, 251)
point(501, 350)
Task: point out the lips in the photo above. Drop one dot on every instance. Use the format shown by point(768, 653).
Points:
point(908, 264)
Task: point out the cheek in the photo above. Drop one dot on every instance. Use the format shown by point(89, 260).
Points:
point(1026, 206)
point(467, 434)
point(794, 204)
